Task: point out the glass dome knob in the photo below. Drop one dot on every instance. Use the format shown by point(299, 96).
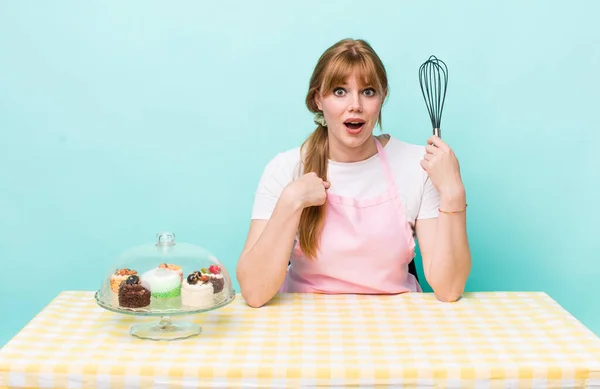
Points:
point(165, 238)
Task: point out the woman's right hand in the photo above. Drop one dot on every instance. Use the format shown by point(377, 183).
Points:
point(308, 190)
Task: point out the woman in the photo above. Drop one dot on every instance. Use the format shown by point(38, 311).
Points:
point(347, 204)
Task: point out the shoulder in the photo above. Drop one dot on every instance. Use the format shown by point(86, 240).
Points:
point(404, 149)
point(405, 155)
point(405, 161)
point(278, 172)
point(283, 167)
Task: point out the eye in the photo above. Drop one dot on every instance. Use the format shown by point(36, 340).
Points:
point(339, 92)
point(370, 92)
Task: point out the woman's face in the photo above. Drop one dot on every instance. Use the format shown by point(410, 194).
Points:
point(351, 113)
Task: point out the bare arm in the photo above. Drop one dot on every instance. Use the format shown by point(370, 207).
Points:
point(443, 240)
point(263, 263)
point(445, 250)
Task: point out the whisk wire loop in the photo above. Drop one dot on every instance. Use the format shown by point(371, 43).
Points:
point(433, 78)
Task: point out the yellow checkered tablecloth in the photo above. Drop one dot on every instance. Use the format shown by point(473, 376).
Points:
point(486, 340)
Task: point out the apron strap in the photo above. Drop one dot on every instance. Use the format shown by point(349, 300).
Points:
point(386, 166)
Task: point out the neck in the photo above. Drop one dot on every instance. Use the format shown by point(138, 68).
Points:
point(344, 154)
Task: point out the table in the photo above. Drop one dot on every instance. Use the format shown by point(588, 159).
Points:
point(491, 340)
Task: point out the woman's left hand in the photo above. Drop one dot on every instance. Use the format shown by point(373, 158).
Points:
point(443, 169)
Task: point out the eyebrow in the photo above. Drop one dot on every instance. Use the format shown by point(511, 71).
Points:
point(346, 85)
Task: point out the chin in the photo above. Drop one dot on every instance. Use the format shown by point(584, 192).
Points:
point(355, 141)
point(356, 138)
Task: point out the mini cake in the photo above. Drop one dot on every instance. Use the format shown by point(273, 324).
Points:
point(119, 276)
point(218, 281)
point(164, 283)
point(216, 278)
point(197, 291)
point(132, 294)
point(175, 268)
point(116, 279)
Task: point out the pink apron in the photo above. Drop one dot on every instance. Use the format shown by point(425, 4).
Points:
point(366, 246)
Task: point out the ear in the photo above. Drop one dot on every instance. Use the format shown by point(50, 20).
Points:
point(318, 100)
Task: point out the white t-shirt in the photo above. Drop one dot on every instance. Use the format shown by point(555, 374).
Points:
point(362, 179)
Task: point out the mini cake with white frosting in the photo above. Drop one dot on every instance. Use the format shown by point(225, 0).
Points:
point(197, 291)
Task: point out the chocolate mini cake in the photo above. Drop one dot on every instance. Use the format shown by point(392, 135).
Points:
point(132, 294)
point(215, 277)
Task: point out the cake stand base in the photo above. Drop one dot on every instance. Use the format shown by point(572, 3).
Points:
point(165, 329)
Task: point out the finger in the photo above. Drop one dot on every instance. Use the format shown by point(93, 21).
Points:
point(424, 164)
point(429, 157)
point(438, 142)
point(326, 184)
point(431, 149)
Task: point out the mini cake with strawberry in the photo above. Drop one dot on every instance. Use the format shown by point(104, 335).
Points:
point(197, 291)
point(215, 277)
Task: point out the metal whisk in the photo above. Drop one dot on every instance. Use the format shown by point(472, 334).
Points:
point(433, 77)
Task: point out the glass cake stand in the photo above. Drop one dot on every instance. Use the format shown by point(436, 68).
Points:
point(165, 328)
point(165, 279)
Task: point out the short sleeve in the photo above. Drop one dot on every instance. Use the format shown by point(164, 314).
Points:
point(274, 179)
point(430, 201)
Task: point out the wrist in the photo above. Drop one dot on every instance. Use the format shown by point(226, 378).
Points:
point(291, 201)
point(455, 199)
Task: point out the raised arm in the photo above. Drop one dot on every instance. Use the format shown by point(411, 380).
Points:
point(443, 240)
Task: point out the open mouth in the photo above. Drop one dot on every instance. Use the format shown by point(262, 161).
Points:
point(354, 124)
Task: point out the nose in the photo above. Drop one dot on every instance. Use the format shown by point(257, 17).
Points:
point(355, 103)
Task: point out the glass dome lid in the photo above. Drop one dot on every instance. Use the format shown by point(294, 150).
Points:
point(165, 278)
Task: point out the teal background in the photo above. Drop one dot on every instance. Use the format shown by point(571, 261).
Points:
point(121, 119)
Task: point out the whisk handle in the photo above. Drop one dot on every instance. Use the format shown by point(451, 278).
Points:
point(437, 132)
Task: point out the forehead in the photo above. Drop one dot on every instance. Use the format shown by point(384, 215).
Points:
point(358, 74)
point(356, 79)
